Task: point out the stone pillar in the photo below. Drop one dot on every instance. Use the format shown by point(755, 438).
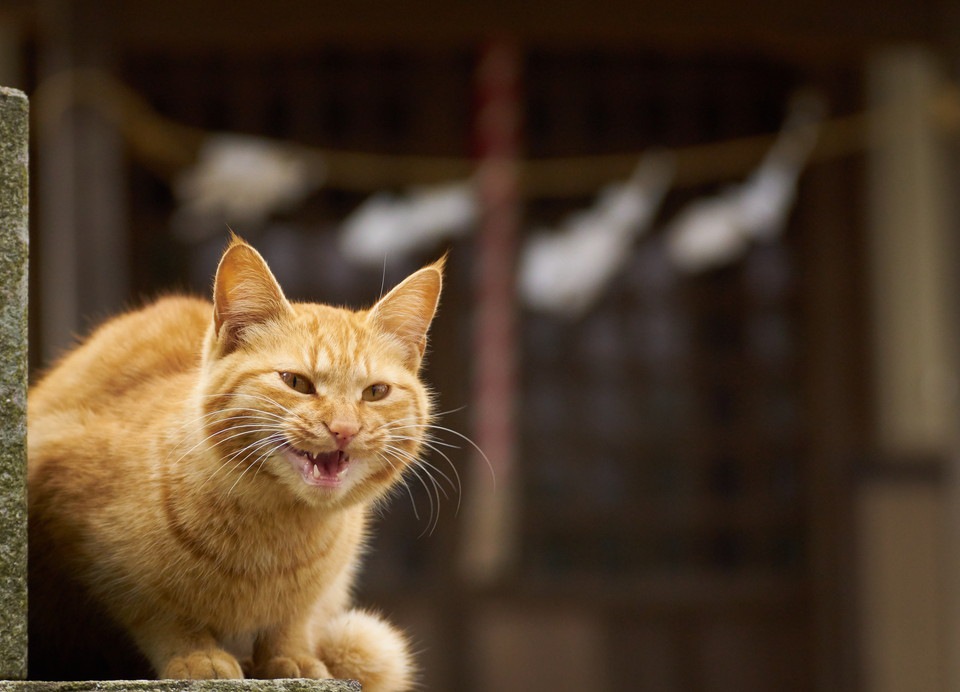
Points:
point(13, 384)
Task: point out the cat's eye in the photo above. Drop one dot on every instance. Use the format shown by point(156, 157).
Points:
point(297, 382)
point(376, 392)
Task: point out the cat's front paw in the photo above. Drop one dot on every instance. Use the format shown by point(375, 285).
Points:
point(292, 667)
point(212, 664)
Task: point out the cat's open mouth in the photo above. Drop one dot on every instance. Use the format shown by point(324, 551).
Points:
point(322, 469)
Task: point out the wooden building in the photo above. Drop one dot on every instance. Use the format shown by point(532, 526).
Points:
point(740, 479)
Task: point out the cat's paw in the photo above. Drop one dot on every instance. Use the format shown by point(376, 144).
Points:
point(209, 664)
point(292, 667)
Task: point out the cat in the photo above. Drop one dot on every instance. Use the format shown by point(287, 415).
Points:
point(201, 477)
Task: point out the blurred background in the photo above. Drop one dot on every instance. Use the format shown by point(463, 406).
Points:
point(701, 308)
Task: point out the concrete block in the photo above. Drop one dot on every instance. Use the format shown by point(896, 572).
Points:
point(14, 245)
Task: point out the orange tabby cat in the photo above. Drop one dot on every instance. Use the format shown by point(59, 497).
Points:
point(200, 478)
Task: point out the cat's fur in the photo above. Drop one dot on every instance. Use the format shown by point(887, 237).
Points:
point(171, 519)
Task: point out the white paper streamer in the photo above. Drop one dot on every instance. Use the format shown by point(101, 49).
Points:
point(242, 180)
point(712, 232)
point(386, 225)
point(565, 271)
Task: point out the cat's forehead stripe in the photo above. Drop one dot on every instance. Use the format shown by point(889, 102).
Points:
point(321, 329)
point(321, 359)
point(334, 343)
point(337, 341)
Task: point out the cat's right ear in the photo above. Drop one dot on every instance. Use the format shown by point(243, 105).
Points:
point(406, 312)
point(245, 294)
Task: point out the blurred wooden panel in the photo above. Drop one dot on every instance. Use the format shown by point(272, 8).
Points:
point(811, 28)
point(902, 599)
point(737, 654)
point(519, 649)
point(913, 258)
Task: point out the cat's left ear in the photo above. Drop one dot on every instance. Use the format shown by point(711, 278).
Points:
point(245, 294)
point(407, 311)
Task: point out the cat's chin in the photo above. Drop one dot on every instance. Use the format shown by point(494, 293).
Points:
point(320, 470)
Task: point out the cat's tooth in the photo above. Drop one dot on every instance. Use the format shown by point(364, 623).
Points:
point(316, 470)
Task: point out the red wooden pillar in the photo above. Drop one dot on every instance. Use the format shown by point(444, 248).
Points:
point(491, 511)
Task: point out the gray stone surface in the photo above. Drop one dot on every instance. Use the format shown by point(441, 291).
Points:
point(185, 686)
point(13, 383)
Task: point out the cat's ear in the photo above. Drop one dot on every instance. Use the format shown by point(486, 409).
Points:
point(245, 294)
point(407, 311)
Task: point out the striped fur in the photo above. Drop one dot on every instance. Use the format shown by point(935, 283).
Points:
point(200, 477)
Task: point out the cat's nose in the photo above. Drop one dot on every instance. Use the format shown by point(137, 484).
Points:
point(343, 431)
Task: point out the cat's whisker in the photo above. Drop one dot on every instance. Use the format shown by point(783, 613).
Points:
point(417, 419)
point(241, 457)
point(403, 481)
point(415, 466)
point(272, 444)
point(259, 413)
point(466, 439)
point(207, 439)
point(229, 420)
point(263, 457)
point(456, 487)
point(243, 430)
point(448, 412)
point(199, 420)
point(432, 443)
point(383, 278)
point(434, 519)
point(415, 423)
point(232, 396)
point(437, 486)
point(246, 450)
point(428, 437)
point(430, 469)
point(249, 409)
point(428, 528)
point(273, 402)
point(413, 470)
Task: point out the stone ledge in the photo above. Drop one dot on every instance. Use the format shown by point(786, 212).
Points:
point(291, 685)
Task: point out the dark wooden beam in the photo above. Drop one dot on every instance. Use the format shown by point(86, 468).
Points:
point(813, 30)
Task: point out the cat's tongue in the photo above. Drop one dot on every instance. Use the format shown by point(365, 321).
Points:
point(322, 469)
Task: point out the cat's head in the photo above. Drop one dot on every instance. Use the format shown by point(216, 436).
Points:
point(324, 403)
